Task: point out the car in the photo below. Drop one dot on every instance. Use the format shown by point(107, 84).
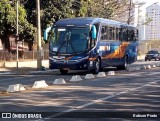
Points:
point(152, 54)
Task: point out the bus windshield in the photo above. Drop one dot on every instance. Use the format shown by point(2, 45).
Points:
point(69, 40)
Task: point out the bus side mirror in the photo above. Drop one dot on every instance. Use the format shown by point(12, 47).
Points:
point(94, 32)
point(46, 33)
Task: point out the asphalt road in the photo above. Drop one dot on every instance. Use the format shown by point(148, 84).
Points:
point(119, 97)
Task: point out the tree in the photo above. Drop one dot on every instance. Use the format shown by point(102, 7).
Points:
point(119, 10)
point(8, 22)
point(51, 11)
point(106, 8)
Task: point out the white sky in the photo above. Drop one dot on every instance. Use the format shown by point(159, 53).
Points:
point(148, 3)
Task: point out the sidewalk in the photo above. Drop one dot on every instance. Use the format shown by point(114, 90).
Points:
point(23, 67)
point(27, 66)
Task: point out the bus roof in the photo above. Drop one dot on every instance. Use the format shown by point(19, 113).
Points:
point(86, 21)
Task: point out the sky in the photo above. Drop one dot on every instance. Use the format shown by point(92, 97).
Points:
point(148, 3)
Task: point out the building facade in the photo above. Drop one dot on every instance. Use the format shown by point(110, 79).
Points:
point(152, 29)
point(141, 28)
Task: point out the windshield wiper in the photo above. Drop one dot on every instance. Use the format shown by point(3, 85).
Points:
point(61, 45)
point(72, 46)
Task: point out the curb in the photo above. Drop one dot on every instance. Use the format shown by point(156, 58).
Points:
point(45, 71)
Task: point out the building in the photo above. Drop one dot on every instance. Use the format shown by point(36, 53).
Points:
point(152, 29)
point(134, 15)
point(141, 28)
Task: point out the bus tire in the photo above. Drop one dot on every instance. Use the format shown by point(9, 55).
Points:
point(97, 66)
point(63, 71)
point(125, 64)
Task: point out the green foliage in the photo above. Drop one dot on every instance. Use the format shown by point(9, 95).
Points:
point(147, 20)
point(8, 21)
point(51, 11)
point(107, 8)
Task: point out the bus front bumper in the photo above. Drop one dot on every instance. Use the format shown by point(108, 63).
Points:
point(82, 65)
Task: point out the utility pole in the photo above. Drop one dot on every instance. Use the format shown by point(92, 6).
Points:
point(129, 14)
point(39, 58)
point(88, 8)
point(17, 37)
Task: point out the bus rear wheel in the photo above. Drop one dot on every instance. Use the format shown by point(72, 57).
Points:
point(63, 71)
point(125, 64)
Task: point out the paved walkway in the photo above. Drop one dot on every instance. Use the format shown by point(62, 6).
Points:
point(27, 66)
point(23, 67)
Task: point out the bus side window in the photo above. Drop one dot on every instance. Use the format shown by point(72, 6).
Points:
point(104, 33)
point(107, 32)
point(131, 35)
point(127, 34)
point(110, 33)
point(121, 34)
point(136, 35)
point(113, 33)
point(117, 33)
point(124, 34)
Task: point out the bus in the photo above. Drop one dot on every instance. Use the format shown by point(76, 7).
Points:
point(87, 43)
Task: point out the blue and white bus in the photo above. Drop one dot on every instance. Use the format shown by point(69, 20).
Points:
point(91, 44)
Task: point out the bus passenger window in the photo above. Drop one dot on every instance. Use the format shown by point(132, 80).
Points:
point(113, 33)
point(117, 33)
point(107, 32)
point(125, 35)
point(104, 33)
point(110, 33)
point(121, 35)
point(136, 35)
point(131, 35)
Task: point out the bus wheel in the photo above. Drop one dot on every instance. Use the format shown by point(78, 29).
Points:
point(97, 67)
point(125, 64)
point(63, 71)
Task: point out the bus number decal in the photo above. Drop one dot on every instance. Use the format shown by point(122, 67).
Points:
point(103, 48)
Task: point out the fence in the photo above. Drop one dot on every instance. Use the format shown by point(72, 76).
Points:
point(145, 46)
point(23, 55)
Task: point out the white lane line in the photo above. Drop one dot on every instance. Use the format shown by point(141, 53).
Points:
point(46, 71)
point(99, 100)
point(6, 73)
point(3, 103)
point(14, 78)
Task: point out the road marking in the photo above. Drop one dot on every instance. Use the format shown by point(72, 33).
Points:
point(46, 71)
point(14, 78)
point(98, 100)
point(6, 103)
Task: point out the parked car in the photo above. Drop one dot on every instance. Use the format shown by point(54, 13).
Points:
point(152, 54)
